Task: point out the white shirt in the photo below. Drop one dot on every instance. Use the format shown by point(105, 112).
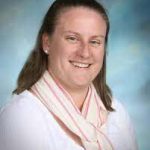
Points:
point(25, 124)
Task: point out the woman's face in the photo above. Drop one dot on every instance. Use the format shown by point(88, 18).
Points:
point(76, 48)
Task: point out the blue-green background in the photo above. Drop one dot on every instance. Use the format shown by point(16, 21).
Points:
point(128, 56)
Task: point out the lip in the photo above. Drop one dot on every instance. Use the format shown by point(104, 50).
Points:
point(79, 64)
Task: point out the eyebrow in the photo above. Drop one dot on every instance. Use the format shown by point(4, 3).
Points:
point(78, 34)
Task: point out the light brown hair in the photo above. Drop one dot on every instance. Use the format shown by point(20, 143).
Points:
point(37, 61)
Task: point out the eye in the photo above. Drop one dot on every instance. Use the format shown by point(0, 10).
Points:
point(72, 39)
point(95, 42)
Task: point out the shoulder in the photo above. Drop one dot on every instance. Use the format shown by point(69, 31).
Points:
point(119, 118)
point(120, 111)
point(21, 107)
point(22, 123)
point(120, 127)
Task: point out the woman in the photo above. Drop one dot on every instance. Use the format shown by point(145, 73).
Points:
point(62, 100)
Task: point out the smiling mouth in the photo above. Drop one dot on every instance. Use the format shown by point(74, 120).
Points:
point(79, 64)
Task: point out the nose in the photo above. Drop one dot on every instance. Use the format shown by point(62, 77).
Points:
point(84, 50)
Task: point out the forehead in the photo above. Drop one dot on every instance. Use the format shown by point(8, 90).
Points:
point(81, 18)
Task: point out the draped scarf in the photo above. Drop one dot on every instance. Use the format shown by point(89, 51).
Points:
point(88, 124)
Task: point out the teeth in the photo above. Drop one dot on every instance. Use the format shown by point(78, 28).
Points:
point(80, 65)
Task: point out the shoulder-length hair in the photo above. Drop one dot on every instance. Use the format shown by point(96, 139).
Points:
point(37, 61)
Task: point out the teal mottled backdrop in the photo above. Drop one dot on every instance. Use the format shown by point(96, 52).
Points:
point(128, 52)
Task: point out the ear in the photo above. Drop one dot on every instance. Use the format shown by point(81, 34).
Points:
point(45, 43)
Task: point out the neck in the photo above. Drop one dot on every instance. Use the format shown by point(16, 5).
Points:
point(78, 94)
point(78, 97)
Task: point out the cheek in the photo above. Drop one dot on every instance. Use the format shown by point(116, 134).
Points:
point(53, 57)
point(99, 57)
point(55, 51)
point(99, 63)
point(58, 57)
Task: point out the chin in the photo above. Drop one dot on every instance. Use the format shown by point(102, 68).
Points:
point(82, 83)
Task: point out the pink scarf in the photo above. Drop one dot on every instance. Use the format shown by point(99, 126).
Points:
point(88, 124)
